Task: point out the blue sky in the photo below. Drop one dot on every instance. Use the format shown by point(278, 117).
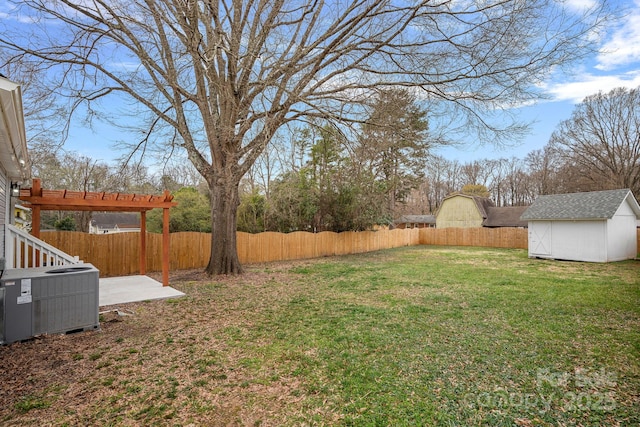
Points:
point(616, 64)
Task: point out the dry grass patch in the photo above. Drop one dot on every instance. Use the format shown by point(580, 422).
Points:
point(169, 362)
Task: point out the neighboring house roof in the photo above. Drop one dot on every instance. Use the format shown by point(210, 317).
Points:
point(573, 206)
point(483, 204)
point(14, 157)
point(505, 217)
point(416, 219)
point(113, 219)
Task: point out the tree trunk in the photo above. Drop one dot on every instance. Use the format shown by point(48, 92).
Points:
point(391, 205)
point(84, 218)
point(224, 206)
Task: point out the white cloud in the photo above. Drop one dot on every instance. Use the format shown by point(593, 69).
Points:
point(623, 47)
point(616, 65)
point(22, 19)
point(589, 84)
point(126, 65)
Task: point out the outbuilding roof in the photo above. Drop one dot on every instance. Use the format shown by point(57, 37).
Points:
point(482, 203)
point(574, 206)
point(506, 216)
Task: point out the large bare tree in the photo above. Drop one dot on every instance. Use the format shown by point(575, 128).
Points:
point(220, 77)
point(601, 140)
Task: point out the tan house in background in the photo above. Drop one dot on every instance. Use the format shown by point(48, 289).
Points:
point(462, 211)
point(465, 211)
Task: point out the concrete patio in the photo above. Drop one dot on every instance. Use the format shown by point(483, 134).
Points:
point(125, 289)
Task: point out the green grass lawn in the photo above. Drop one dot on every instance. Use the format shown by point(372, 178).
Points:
point(464, 336)
point(441, 336)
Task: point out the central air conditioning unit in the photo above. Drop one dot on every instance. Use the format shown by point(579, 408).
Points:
point(48, 300)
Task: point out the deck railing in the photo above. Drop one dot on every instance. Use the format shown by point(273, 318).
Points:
point(22, 250)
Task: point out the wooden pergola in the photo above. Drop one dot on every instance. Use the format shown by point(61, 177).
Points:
point(40, 199)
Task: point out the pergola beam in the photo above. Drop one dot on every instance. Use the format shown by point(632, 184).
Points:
point(64, 200)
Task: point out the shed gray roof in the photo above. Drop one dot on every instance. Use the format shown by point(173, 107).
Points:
point(591, 205)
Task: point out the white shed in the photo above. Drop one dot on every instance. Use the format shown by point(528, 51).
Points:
point(598, 226)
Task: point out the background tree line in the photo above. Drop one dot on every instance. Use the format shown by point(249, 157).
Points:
point(325, 180)
point(322, 178)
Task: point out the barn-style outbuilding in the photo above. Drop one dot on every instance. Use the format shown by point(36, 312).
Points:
point(466, 211)
point(598, 226)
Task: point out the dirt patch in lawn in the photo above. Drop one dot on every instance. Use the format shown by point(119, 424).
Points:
point(182, 361)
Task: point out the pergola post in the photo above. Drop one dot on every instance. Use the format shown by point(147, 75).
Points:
point(36, 190)
point(165, 247)
point(143, 242)
point(35, 222)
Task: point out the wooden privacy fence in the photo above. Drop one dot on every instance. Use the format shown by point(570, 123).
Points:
point(117, 254)
point(489, 237)
point(269, 246)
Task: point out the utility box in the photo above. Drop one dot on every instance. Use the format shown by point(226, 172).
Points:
point(48, 300)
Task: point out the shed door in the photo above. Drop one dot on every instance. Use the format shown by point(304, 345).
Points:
point(540, 238)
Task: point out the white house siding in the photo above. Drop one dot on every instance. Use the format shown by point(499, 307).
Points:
point(579, 240)
point(621, 244)
point(4, 211)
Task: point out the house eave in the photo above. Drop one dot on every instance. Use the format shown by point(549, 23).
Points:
point(14, 156)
